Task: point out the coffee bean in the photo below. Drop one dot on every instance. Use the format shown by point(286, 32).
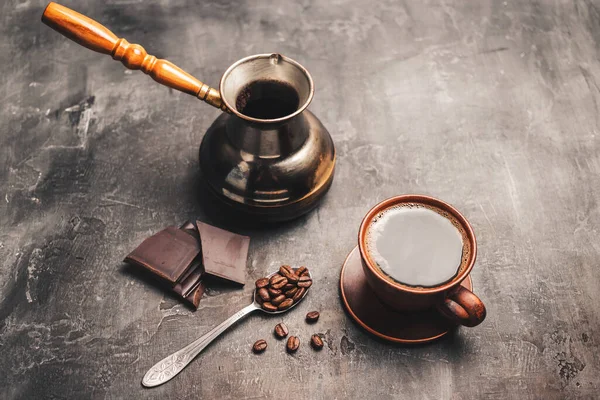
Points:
point(291, 292)
point(259, 346)
point(281, 330)
point(286, 269)
point(269, 306)
point(312, 316)
point(304, 281)
point(292, 344)
point(288, 273)
point(278, 281)
point(301, 270)
point(299, 294)
point(274, 277)
point(288, 287)
point(292, 278)
point(277, 300)
point(261, 283)
point(316, 342)
point(284, 305)
point(263, 294)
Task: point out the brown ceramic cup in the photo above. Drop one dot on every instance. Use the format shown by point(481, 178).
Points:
point(450, 298)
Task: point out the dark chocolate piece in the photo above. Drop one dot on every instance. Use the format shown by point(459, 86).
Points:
point(168, 254)
point(177, 257)
point(191, 279)
point(196, 294)
point(224, 254)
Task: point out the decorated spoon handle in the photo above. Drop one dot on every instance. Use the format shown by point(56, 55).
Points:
point(167, 368)
point(97, 37)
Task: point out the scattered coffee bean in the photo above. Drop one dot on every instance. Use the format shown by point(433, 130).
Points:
point(259, 346)
point(278, 281)
point(269, 306)
point(292, 344)
point(316, 342)
point(278, 300)
point(304, 281)
point(264, 294)
point(274, 292)
point(261, 283)
point(300, 271)
point(281, 330)
point(312, 316)
point(298, 295)
point(291, 292)
point(284, 305)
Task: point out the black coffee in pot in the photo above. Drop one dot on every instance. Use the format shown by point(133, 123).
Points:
point(267, 99)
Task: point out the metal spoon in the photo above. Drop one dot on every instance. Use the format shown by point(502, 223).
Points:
point(168, 367)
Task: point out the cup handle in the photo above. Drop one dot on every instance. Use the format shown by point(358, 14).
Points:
point(463, 307)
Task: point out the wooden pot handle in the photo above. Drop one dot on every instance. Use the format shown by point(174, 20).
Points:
point(97, 37)
point(463, 307)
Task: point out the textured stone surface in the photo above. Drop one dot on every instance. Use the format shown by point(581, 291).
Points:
point(490, 105)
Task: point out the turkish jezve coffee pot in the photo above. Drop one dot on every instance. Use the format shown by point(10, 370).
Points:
point(266, 155)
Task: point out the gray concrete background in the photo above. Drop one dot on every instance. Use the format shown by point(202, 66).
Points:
point(490, 105)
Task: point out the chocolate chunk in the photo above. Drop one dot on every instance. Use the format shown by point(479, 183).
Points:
point(168, 254)
point(196, 294)
point(224, 254)
point(190, 280)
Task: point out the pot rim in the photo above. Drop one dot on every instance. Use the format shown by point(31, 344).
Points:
point(280, 58)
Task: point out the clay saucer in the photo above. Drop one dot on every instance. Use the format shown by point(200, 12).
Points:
point(382, 321)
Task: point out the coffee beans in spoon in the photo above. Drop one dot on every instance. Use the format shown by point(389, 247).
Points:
point(283, 289)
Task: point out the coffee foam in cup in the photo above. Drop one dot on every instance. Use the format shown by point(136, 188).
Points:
point(453, 261)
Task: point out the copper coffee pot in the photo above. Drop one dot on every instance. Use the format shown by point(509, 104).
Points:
point(267, 155)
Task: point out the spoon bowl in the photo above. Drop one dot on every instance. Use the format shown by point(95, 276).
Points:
point(258, 305)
